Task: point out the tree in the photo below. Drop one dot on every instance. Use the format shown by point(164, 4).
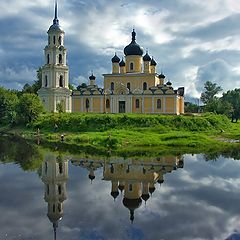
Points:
point(191, 107)
point(83, 85)
point(212, 89)
point(38, 83)
point(71, 87)
point(8, 103)
point(27, 88)
point(233, 97)
point(29, 108)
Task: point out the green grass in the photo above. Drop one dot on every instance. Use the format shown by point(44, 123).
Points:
point(129, 133)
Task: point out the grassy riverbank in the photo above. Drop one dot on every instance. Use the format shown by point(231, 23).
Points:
point(129, 133)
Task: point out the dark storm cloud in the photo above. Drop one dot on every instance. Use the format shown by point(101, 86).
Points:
point(226, 27)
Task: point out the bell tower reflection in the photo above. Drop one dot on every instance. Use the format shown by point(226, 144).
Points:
point(54, 176)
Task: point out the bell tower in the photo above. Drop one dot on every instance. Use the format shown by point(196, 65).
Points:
point(55, 93)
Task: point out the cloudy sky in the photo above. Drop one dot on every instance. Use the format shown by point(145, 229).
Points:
point(192, 41)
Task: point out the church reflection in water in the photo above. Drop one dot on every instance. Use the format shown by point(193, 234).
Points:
point(54, 176)
point(135, 178)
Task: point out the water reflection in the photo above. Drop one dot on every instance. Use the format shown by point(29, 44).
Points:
point(135, 179)
point(204, 196)
point(54, 176)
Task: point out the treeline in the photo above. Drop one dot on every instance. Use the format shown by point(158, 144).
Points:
point(18, 107)
point(227, 104)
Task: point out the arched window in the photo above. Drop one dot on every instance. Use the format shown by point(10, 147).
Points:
point(130, 188)
point(47, 189)
point(144, 86)
point(54, 40)
point(131, 66)
point(112, 86)
point(159, 103)
point(59, 189)
point(137, 103)
point(46, 81)
point(107, 103)
point(60, 168)
point(48, 59)
point(128, 86)
point(61, 81)
point(60, 40)
point(49, 40)
point(87, 103)
point(54, 208)
point(60, 58)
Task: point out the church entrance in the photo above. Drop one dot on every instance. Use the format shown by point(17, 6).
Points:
point(121, 106)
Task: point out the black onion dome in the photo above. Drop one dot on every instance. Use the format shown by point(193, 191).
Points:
point(114, 194)
point(152, 189)
point(115, 59)
point(146, 57)
point(133, 48)
point(132, 204)
point(122, 63)
point(91, 177)
point(162, 76)
point(153, 63)
point(92, 77)
point(121, 187)
point(145, 197)
point(160, 181)
point(169, 83)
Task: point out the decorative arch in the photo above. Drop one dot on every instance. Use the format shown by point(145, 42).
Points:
point(169, 91)
point(159, 91)
point(121, 89)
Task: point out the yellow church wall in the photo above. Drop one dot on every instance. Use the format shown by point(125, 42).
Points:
point(170, 104)
point(97, 104)
point(136, 81)
point(76, 104)
point(147, 105)
point(137, 63)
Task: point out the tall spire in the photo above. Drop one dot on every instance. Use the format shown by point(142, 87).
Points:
point(133, 35)
point(55, 20)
